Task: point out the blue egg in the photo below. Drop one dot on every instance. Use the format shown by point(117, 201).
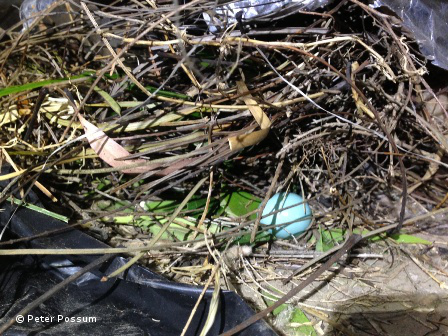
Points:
point(299, 215)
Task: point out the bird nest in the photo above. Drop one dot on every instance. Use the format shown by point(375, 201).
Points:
point(142, 124)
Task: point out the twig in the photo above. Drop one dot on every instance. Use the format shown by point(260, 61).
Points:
point(269, 193)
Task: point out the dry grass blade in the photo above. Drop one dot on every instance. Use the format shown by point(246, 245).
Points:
point(214, 304)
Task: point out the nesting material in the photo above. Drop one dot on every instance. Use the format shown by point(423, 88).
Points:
point(200, 125)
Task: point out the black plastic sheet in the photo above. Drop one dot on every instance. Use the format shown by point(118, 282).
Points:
point(428, 22)
point(139, 303)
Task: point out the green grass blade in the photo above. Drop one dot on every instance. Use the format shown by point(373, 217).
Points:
point(38, 209)
point(35, 85)
point(109, 100)
point(162, 93)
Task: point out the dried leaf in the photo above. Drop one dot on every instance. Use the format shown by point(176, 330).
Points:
point(246, 140)
point(110, 151)
point(260, 117)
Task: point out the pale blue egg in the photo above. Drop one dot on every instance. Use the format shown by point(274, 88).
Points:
point(299, 215)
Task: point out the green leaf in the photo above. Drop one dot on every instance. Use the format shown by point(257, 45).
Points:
point(197, 204)
point(261, 237)
point(181, 228)
point(328, 239)
point(160, 206)
point(402, 238)
point(269, 299)
point(102, 183)
point(234, 204)
point(180, 232)
point(239, 203)
point(109, 100)
point(298, 316)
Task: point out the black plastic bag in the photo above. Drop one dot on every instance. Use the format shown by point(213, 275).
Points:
point(139, 303)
